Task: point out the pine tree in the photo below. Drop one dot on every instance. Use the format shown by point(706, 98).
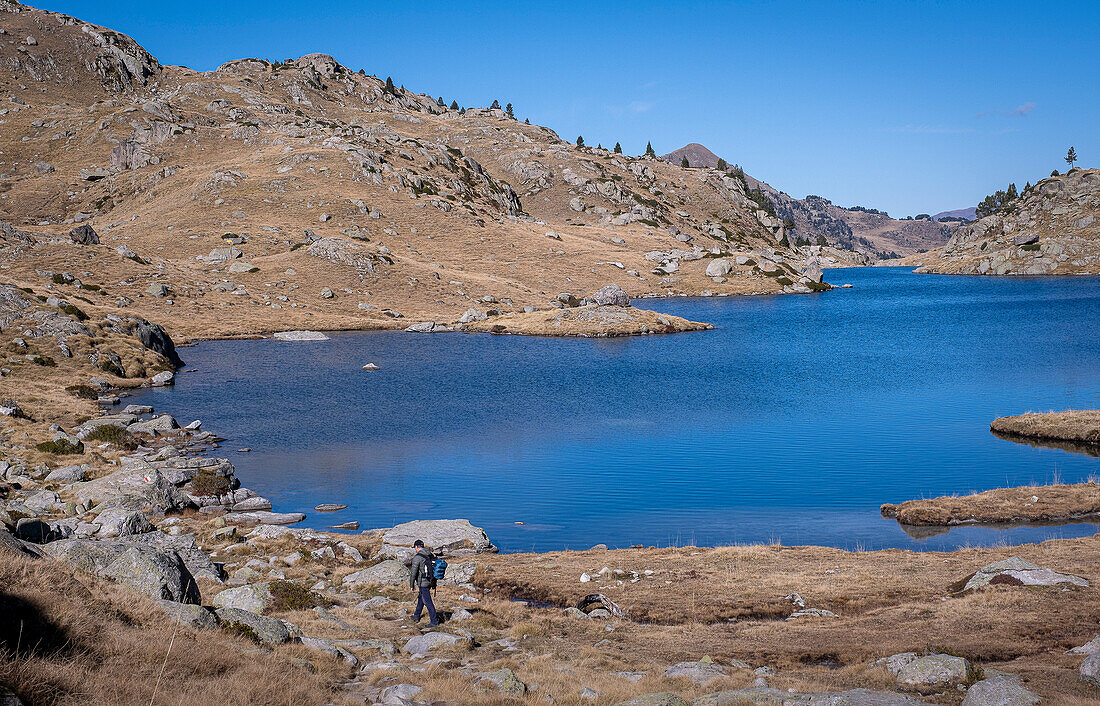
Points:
point(580, 141)
point(508, 109)
point(1071, 157)
point(822, 240)
point(618, 148)
point(684, 162)
point(527, 121)
point(722, 164)
point(495, 105)
point(390, 88)
point(649, 150)
point(439, 102)
point(599, 145)
point(454, 105)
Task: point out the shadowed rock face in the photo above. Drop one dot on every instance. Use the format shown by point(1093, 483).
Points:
point(155, 338)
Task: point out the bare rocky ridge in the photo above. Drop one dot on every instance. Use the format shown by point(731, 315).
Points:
point(1053, 228)
point(854, 236)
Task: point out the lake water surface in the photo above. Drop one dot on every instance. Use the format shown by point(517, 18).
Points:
point(792, 421)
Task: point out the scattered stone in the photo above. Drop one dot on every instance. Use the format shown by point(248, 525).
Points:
point(423, 644)
point(663, 698)
point(932, 673)
point(611, 295)
point(702, 672)
point(1015, 571)
point(505, 681)
point(999, 691)
point(84, 235)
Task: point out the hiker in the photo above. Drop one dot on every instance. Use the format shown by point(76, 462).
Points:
point(421, 580)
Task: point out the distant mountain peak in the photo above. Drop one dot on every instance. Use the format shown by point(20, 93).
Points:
point(697, 156)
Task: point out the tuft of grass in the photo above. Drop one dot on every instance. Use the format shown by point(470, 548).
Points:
point(113, 435)
point(61, 447)
point(84, 392)
point(209, 484)
point(241, 630)
point(44, 360)
point(73, 311)
point(290, 596)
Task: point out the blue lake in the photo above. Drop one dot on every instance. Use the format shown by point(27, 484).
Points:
point(792, 421)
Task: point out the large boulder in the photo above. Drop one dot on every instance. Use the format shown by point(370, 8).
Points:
point(751, 695)
point(270, 631)
point(1014, 571)
point(10, 545)
point(612, 295)
point(423, 644)
point(1090, 670)
point(719, 268)
point(446, 537)
point(255, 598)
point(84, 235)
point(505, 681)
point(702, 672)
point(122, 522)
point(386, 573)
point(155, 338)
point(145, 486)
point(999, 691)
point(194, 616)
point(933, 673)
point(155, 572)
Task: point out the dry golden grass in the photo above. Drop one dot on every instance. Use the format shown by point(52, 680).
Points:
point(68, 639)
point(1071, 425)
point(579, 322)
point(1047, 503)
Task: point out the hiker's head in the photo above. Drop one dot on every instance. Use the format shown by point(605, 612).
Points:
point(418, 544)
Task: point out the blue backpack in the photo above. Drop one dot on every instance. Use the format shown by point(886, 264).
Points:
point(439, 569)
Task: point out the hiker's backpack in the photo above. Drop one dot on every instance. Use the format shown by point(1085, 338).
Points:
point(439, 570)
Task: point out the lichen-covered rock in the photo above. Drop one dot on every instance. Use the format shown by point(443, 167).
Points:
point(702, 672)
point(448, 537)
point(999, 691)
point(269, 631)
point(386, 573)
point(423, 644)
point(1015, 571)
point(155, 572)
point(255, 598)
point(933, 673)
point(505, 681)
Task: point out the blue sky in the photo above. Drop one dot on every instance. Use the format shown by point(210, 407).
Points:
point(905, 106)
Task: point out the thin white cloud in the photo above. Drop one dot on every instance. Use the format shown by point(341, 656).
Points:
point(931, 130)
point(640, 106)
point(1017, 112)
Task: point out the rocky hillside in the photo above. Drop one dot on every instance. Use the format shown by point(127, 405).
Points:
point(1051, 228)
point(303, 194)
point(867, 235)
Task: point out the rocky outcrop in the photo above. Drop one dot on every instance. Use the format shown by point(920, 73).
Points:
point(1051, 228)
point(146, 569)
point(444, 537)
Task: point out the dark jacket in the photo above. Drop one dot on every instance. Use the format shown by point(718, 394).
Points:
point(420, 572)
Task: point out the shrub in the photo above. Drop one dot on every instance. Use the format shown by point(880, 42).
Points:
point(785, 281)
point(44, 360)
point(290, 596)
point(61, 447)
point(84, 392)
point(818, 286)
point(241, 630)
point(73, 311)
point(58, 278)
point(113, 435)
point(1033, 247)
point(209, 484)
